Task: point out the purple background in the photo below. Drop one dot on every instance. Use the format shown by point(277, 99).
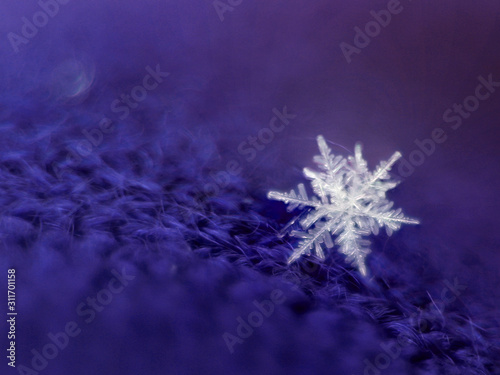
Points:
point(225, 79)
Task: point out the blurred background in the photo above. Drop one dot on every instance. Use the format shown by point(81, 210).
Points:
point(230, 66)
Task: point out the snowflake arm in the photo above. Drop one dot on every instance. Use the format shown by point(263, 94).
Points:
point(294, 200)
point(382, 171)
point(327, 161)
point(353, 246)
point(352, 204)
point(313, 238)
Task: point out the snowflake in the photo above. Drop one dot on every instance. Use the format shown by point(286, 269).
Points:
point(351, 205)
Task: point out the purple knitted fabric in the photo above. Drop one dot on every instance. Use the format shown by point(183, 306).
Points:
point(134, 167)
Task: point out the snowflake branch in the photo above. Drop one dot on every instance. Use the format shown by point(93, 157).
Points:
point(403, 220)
point(292, 198)
point(310, 241)
point(385, 168)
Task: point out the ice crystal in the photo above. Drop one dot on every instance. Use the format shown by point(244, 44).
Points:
point(350, 204)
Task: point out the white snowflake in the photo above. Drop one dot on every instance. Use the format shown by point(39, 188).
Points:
point(352, 204)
